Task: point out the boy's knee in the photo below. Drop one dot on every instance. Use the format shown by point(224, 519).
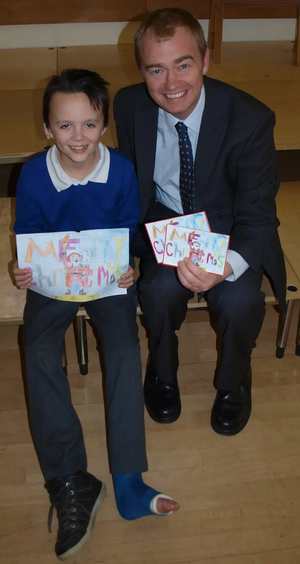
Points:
point(38, 350)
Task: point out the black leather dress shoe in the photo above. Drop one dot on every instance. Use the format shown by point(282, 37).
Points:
point(162, 399)
point(232, 409)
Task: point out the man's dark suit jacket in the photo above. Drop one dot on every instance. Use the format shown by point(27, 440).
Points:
point(235, 178)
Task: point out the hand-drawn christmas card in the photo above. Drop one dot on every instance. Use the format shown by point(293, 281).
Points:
point(206, 249)
point(75, 266)
point(157, 230)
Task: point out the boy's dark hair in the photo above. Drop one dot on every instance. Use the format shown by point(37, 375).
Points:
point(75, 81)
point(163, 24)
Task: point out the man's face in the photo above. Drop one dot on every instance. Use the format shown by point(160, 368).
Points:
point(173, 71)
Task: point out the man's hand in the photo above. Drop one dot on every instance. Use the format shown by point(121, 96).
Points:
point(198, 280)
point(127, 279)
point(22, 277)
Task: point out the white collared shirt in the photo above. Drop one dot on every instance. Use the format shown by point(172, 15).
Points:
point(62, 181)
point(167, 168)
point(167, 159)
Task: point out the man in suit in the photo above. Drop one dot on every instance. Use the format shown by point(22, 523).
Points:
point(179, 114)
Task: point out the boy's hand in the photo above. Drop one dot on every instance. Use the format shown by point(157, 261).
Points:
point(127, 279)
point(22, 276)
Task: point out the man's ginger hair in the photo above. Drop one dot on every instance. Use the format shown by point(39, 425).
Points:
point(162, 24)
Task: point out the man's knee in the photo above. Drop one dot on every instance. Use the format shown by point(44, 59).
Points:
point(239, 305)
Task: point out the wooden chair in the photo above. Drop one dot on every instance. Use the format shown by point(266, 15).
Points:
point(215, 30)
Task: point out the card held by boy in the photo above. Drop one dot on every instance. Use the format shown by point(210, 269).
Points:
point(75, 266)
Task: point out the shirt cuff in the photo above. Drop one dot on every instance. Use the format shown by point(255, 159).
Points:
point(238, 265)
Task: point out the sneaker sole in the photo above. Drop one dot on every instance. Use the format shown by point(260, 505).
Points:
point(90, 527)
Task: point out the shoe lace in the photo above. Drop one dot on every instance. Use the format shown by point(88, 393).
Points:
point(66, 507)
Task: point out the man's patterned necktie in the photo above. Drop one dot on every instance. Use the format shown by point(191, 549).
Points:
point(187, 192)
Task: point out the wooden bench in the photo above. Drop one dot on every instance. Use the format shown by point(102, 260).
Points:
point(13, 300)
point(24, 73)
point(215, 30)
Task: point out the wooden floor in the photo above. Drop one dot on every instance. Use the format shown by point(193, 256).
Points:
point(240, 496)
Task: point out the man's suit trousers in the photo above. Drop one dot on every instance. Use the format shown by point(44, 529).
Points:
point(239, 307)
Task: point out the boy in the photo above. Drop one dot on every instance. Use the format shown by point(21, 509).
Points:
point(80, 184)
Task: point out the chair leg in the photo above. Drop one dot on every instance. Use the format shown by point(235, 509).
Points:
point(297, 351)
point(81, 343)
point(283, 329)
point(218, 30)
point(211, 26)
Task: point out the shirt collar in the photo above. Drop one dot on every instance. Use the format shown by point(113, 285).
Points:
point(193, 121)
point(61, 180)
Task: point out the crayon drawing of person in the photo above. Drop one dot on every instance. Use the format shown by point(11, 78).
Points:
point(77, 272)
point(196, 248)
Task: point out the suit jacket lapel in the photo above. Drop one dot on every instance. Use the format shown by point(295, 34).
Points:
point(145, 133)
point(212, 132)
point(213, 129)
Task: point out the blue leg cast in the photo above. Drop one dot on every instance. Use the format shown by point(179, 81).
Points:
point(134, 498)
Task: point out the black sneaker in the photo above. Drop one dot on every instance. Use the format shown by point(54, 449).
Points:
point(77, 501)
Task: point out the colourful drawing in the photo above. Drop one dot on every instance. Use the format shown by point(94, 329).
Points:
point(157, 230)
point(206, 249)
point(196, 248)
point(75, 266)
point(77, 271)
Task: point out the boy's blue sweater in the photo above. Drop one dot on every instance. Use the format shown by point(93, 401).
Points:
point(42, 209)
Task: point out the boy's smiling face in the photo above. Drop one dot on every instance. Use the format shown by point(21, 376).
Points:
point(76, 128)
